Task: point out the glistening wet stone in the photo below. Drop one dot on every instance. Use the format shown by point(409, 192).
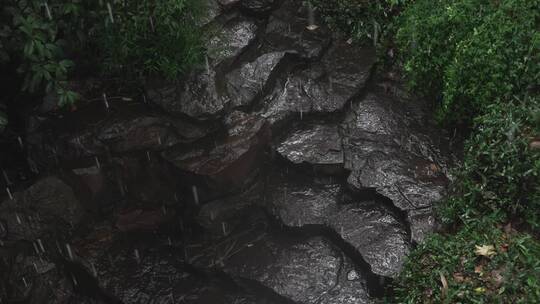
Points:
point(323, 87)
point(385, 152)
point(318, 145)
point(368, 227)
point(306, 271)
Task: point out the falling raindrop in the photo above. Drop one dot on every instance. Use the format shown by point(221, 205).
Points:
point(47, 10)
point(301, 113)
point(58, 247)
point(144, 99)
point(25, 283)
point(176, 197)
point(341, 231)
point(224, 228)
point(94, 271)
point(70, 253)
point(9, 193)
point(311, 18)
point(74, 280)
point(35, 267)
point(19, 139)
point(164, 210)
point(6, 177)
point(195, 194)
point(152, 23)
point(40, 243)
point(148, 155)
point(18, 218)
point(105, 101)
point(212, 217)
point(98, 165)
point(109, 8)
point(35, 248)
point(159, 140)
point(137, 256)
point(169, 241)
point(207, 63)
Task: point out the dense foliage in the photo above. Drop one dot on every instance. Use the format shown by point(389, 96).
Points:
point(153, 37)
point(362, 20)
point(481, 263)
point(500, 174)
point(469, 53)
point(132, 38)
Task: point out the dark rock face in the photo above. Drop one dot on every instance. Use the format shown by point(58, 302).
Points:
point(317, 145)
point(325, 87)
point(384, 152)
point(32, 279)
point(287, 31)
point(244, 84)
point(371, 229)
point(307, 271)
point(196, 96)
point(231, 162)
point(49, 206)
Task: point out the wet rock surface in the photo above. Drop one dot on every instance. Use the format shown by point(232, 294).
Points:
point(374, 231)
point(385, 152)
point(317, 145)
point(280, 171)
point(306, 271)
point(324, 87)
point(47, 207)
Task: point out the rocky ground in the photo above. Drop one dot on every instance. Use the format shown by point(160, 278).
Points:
point(283, 171)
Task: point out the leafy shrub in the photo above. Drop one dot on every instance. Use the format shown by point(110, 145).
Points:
point(130, 38)
point(471, 51)
point(363, 20)
point(153, 37)
point(500, 172)
point(29, 35)
point(452, 269)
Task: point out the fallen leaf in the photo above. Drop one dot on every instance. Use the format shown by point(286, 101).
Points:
point(485, 250)
point(480, 289)
point(535, 145)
